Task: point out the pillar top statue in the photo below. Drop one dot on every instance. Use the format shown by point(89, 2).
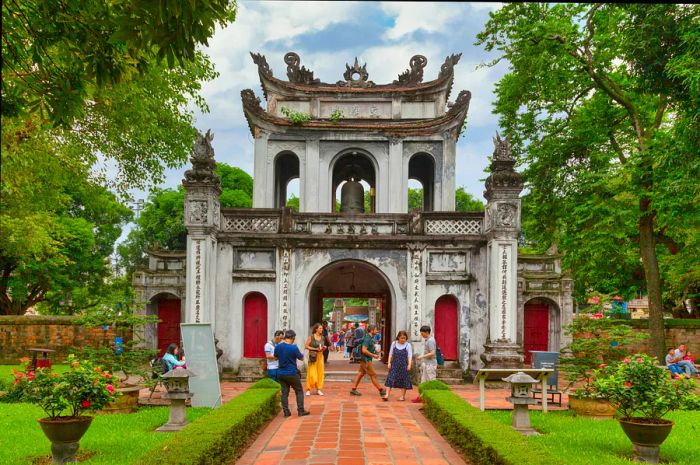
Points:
point(501, 149)
point(203, 162)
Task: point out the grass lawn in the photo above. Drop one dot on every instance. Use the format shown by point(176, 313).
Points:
point(585, 441)
point(115, 439)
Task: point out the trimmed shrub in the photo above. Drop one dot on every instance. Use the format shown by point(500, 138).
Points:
point(266, 383)
point(434, 385)
point(217, 438)
point(483, 440)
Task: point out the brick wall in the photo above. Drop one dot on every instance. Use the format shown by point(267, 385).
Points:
point(60, 333)
point(677, 332)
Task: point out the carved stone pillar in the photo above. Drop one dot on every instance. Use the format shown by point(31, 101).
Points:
point(202, 218)
point(502, 225)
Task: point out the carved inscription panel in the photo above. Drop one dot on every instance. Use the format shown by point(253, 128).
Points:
point(254, 260)
point(442, 262)
point(355, 110)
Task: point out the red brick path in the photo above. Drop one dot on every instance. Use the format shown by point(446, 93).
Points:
point(349, 430)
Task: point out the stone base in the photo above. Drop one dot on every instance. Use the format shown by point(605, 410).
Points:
point(645, 454)
point(64, 452)
point(502, 355)
point(168, 427)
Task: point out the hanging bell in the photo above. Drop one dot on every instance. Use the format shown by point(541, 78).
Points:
point(352, 197)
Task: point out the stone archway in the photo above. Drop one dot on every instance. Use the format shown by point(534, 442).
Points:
point(541, 326)
point(354, 278)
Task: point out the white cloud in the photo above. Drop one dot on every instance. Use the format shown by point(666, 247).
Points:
point(415, 16)
point(485, 6)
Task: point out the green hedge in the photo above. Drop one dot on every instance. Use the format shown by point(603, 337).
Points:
point(434, 385)
point(220, 436)
point(482, 439)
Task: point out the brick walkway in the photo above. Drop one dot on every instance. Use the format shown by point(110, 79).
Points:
point(348, 430)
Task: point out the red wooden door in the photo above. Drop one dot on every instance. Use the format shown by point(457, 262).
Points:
point(446, 324)
point(536, 331)
point(254, 325)
point(169, 324)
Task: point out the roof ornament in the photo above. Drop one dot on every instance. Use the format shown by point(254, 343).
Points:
point(501, 151)
point(296, 74)
point(260, 60)
point(202, 159)
point(414, 75)
point(356, 76)
point(447, 67)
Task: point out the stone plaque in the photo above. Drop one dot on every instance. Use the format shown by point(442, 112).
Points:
point(254, 260)
point(355, 110)
point(292, 105)
point(445, 262)
point(198, 344)
point(418, 110)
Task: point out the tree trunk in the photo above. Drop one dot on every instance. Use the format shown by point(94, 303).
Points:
point(647, 247)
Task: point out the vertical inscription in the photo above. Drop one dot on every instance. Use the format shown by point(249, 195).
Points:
point(504, 290)
point(416, 294)
point(284, 288)
point(197, 280)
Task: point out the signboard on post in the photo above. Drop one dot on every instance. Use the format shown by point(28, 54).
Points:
point(200, 354)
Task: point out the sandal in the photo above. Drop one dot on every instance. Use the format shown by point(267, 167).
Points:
point(385, 398)
point(401, 399)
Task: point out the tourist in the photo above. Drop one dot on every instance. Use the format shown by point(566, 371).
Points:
point(378, 342)
point(326, 341)
point(671, 364)
point(400, 359)
point(348, 341)
point(171, 357)
point(334, 340)
point(428, 366)
point(287, 354)
point(272, 362)
point(315, 344)
point(358, 335)
point(686, 365)
point(366, 368)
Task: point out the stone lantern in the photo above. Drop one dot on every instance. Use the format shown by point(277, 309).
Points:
point(177, 383)
point(520, 387)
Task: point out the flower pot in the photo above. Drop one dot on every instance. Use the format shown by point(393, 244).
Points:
point(64, 434)
point(646, 435)
point(595, 408)
point(127, 402)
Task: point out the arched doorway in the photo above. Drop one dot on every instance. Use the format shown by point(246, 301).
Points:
point(535, 328)
point(254, 325)
point(168, 309)
point(359, 166)
point(447, 326)
point(421, 168)
point(358, 280)
point(286, 169)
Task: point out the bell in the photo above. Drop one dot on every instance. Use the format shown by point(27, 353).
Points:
point(352, 197)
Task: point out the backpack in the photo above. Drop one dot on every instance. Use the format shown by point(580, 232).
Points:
point(159, 367)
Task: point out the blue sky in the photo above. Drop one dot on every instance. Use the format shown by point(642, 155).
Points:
point(326, 35)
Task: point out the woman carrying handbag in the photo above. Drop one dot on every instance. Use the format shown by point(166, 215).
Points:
point(315, 344)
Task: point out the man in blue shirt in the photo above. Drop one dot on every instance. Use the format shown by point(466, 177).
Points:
point(287, 353)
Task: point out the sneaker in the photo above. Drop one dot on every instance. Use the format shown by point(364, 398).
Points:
point(308, 393)
point(303, 413)
point(319, 392)
point(355, 392)
point(287, 414)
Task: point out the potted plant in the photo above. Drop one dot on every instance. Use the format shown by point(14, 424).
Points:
point(642, 392)
point(595, 344)
point(65, 398)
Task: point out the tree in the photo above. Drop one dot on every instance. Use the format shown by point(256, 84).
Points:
point(464, 202)
point(161, 223)
point(601, 106)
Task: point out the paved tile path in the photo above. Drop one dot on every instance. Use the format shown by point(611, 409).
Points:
point(348, 430)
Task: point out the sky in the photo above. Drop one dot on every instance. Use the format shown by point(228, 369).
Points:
point(327, 35)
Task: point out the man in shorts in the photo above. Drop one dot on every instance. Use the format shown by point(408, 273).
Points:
point(368, 354)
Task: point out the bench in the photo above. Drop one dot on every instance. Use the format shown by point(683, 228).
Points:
point(540, 374)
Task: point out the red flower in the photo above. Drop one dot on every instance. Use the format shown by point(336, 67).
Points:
point(31, 376)
point(602, 365)
point(627, 360)
point(85, 404)
point(640, 359)
point(110, 388)
point(628, 384)
point(106, 375)
point(19, 375)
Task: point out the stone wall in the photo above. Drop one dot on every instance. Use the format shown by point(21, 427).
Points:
point(60, 333)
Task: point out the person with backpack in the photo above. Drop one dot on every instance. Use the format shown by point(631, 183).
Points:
point(358, 338)
point(171, 357)
point(272, 362)
point(366, 368)
point(428, 366)
point(348, 338)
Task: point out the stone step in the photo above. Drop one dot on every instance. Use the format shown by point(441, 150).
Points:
point(449, 372)
point(451, 381)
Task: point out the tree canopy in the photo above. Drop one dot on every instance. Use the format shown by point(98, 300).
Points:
point(161, 223)
point(601, 106)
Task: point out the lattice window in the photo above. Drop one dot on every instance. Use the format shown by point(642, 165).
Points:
point(456, 227)
point(251, 224)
